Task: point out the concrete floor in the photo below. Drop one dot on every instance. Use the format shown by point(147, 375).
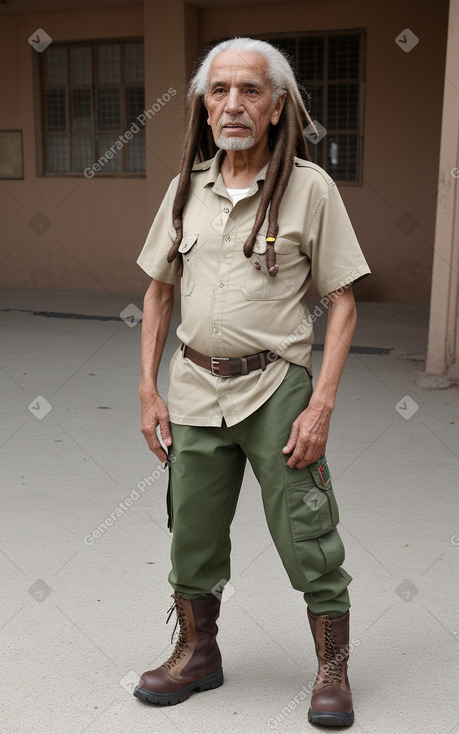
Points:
point(83, 616)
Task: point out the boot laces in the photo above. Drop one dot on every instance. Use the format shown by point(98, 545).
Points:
point(180, 621)
point(332, 672)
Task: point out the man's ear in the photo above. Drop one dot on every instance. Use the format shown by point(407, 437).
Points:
point(207, 111)
point(278, 107)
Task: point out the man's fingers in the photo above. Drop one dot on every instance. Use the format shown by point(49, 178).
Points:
point(308, 455)
point(306, 451)
point(308, 459)
point(290, 445)
point(165, 430)
point(295, 458)
point(155, 425)
point(154, 445)
point(295, 444)
point(160, 453)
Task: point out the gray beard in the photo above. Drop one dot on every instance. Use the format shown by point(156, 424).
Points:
point(235, 143)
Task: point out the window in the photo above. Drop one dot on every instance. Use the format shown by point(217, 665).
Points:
point(330, 67)
point(92, 94)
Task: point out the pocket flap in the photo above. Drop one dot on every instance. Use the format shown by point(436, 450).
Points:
point(188, 240)
point(282, 245)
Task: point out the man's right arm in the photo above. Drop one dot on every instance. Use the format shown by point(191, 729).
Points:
point(157, 312)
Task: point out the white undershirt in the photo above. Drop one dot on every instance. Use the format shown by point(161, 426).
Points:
point(237, 194)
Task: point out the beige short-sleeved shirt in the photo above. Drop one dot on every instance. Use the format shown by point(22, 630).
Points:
point(229, 307)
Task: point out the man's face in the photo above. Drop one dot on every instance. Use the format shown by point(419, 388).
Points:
point(239, 100)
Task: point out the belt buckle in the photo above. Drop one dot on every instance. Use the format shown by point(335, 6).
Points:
point(216, 360)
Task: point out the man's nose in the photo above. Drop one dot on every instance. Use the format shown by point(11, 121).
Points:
point(233, 102)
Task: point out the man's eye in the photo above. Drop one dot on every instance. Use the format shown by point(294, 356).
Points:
point(252, 91)
point(219, 90)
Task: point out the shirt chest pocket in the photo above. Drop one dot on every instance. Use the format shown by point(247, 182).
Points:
point(188, 249)
point(258, 285)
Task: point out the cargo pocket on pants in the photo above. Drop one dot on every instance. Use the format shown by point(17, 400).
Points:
point(311, 501)
point(313, 513)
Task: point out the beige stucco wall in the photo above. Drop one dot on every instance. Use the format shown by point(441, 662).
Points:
point(98, 226)
point(164, 131)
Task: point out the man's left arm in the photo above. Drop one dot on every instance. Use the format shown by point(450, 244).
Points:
point(309, 434)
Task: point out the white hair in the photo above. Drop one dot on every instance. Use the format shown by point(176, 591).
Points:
point(280, 72)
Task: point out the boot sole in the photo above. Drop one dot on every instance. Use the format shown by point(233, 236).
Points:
point(171, 699)
point(330, 718)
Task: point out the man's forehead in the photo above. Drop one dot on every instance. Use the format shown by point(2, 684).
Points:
point(241, 62)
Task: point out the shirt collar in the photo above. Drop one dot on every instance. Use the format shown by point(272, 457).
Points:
point(213, 176)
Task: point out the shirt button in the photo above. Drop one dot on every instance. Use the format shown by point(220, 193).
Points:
point(228, 238)
point(226, 209)
point(220, 285)
point(215, 330)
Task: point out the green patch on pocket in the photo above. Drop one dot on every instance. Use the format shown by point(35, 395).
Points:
point(324, 472)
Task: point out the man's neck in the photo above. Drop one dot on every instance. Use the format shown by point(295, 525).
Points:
point(239, 167)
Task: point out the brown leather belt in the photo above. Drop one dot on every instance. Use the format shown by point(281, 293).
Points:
point(230, 366)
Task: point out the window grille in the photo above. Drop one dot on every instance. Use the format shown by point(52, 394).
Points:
point(92, 93)
point(330, 67)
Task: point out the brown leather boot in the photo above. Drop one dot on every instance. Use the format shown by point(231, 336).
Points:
point(195, 664)
point(331, 701)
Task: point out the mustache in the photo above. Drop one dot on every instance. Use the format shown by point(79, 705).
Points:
point(244, 120)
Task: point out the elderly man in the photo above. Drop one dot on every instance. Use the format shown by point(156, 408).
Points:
point(244, 230)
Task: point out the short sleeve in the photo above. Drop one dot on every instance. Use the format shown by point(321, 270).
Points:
point(153, 258)
point(336, 257)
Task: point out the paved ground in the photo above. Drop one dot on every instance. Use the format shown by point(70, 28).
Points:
point(83, 616)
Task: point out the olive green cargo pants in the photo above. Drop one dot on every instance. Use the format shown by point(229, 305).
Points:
point(299, 504)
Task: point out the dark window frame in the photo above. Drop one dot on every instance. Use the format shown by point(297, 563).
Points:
point(123, 86)
point(320, 153)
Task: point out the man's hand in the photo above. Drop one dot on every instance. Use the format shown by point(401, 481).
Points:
point(308, 437)
point(154, 413)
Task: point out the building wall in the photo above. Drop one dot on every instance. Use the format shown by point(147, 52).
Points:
point(98, 226)
point(95, 227)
